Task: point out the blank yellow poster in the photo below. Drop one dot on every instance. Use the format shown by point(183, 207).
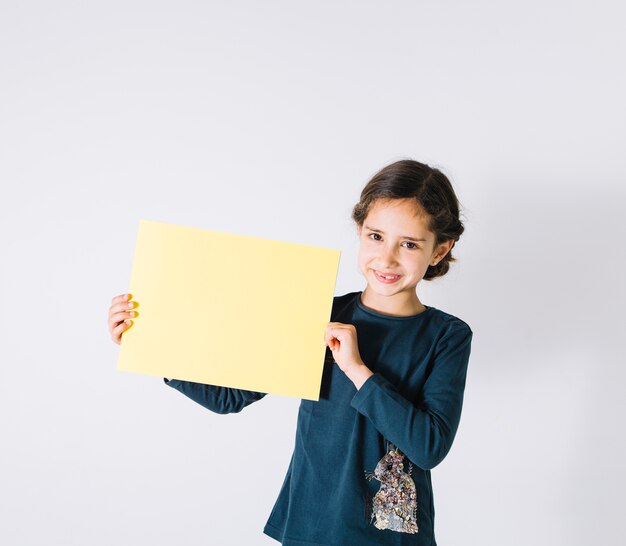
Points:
point(229, 310)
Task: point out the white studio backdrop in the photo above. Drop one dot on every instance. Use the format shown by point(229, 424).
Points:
point(266, 119)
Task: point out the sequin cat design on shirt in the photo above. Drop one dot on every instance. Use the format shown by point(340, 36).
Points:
point(395, 504)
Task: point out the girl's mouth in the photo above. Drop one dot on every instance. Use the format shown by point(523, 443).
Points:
point(386, 279)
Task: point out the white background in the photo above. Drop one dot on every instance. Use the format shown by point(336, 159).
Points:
point(266, 119)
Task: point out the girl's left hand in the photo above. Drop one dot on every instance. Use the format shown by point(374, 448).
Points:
point(342, 340)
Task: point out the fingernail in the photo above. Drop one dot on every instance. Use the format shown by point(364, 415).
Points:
point(132, 313)
point(127, 321)
point(131, 305)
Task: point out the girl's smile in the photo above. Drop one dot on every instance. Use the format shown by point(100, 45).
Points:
point(386, 278)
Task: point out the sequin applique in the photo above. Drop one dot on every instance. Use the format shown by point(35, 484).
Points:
point(395, 504)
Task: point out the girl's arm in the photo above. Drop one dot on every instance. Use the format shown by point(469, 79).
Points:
point(216, 399)
point(424, 432)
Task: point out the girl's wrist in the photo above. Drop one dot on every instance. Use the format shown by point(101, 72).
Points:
point(359, 374)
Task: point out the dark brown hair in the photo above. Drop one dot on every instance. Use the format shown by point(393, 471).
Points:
point(433, 193)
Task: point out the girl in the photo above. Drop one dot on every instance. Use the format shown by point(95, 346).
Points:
point(393, 381)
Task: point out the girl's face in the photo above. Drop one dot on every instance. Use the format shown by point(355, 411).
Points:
point(395, 251)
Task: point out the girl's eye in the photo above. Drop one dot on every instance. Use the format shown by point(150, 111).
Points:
point(413, 247)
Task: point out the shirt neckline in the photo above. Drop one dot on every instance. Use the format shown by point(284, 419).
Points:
point(388, 317)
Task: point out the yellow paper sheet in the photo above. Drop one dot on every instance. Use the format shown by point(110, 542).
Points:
point(229, 310)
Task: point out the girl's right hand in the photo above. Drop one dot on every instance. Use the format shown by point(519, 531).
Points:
point(119, 316)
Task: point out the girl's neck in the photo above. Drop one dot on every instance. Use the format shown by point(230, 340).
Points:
point(397, 305)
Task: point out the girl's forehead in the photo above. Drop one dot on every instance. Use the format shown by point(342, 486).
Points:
point(408, 205)
point(404, 211)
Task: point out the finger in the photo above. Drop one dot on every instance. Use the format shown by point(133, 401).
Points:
point(120, 301)
point(120, 298)
point(328, 336)
point(124, 306)
point(338, 333)
point(115, 319)
point(342, 325)
point(117, 332)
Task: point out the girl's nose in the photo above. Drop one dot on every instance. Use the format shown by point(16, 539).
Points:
point(387, 257)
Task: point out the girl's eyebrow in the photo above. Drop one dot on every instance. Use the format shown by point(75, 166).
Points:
point(403, 236)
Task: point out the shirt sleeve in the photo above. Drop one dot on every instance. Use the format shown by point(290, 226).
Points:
point(423, 432)
point(214, 398)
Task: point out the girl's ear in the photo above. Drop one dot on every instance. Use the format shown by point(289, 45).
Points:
point(441, 250)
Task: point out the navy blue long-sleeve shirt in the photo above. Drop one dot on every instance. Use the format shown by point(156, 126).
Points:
point(393, 430)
